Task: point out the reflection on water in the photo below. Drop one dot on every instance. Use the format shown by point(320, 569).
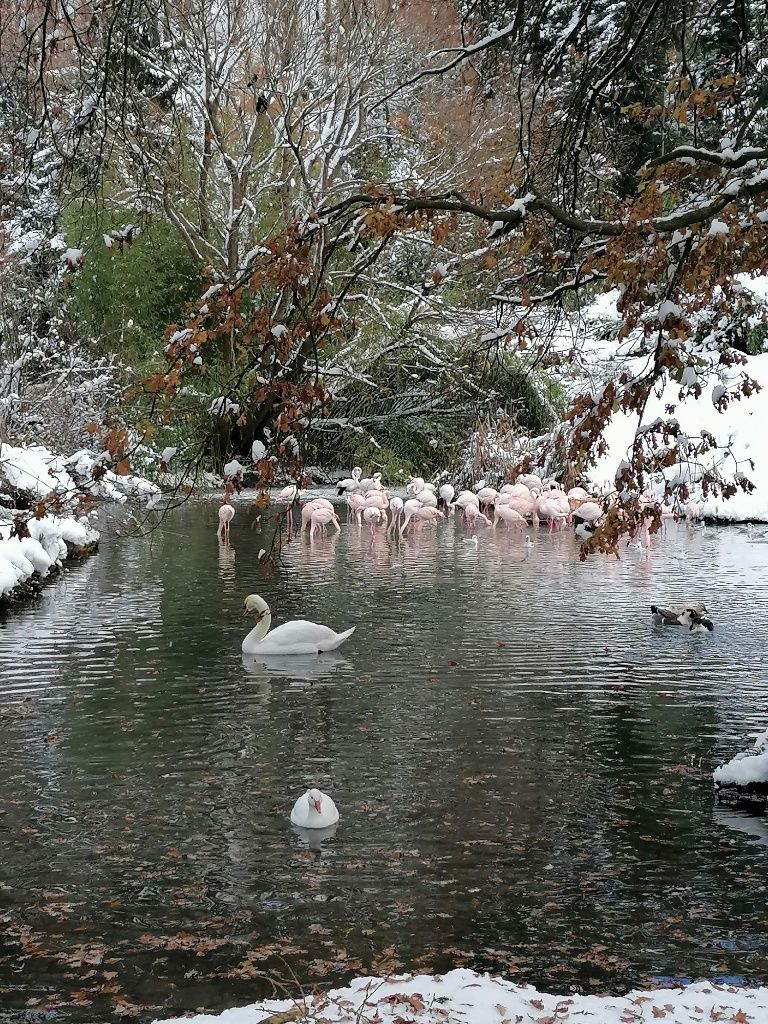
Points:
point(315, 837)
point(521, 763)
point(297, 667)
point(226, 561)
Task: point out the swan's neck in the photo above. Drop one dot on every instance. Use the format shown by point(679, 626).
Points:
point(260, 630)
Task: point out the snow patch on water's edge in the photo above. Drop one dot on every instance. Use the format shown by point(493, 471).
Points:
point(464, 996)
point(56, 482)
point(747, 768)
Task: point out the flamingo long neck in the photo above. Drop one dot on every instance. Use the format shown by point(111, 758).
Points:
point(260, 630)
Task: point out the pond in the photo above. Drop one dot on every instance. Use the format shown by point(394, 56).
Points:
point(521, 761)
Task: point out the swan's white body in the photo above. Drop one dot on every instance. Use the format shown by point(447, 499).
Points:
point(296, 637)
point(314, 810)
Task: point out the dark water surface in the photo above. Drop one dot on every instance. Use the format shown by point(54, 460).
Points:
point(521, 761)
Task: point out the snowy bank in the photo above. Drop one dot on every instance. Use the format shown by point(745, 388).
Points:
point(51, 539)
point(741, 425)
point(464, 997)
point(35, 471)
point(745, 777)
point(33, 475)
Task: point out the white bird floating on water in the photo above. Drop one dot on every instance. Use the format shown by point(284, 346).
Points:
point(296, 637)
point(314, 810)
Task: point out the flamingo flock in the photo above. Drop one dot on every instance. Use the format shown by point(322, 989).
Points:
point(528, 502)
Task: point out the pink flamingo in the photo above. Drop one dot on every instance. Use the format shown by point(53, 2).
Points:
point(424, 514)
point(578, 493)
point(373, 516)
point(549, 509)
point(309, 508)
point(525, 506)
point(487, 496)
point(377, 499)
point(529, 480)
point(356, 504)
point(642, 535)
point(226, 515)
point(395, 511)
point(464, 499)
point(509, 515)
point(322, 517)
point(426, 496)
point(692, 512)
point(472, 513)
point(588, 512)
point(447, 494)
point(513, 491)
point(287, 497)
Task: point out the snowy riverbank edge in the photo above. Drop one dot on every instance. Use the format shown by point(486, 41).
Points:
point(464, 997)
point(744, 779)
point(27, 561)
point(32, 545)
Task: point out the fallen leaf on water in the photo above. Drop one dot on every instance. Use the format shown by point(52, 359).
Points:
point(125, 1009)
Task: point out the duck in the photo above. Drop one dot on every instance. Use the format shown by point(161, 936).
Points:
point(314, 810)
point(694, 616)
point(295, 637)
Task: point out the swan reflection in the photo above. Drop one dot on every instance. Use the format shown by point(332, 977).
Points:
point(313, 838)
point(301, 667)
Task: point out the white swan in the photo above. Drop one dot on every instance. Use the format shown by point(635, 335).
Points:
point(314, 810)
point(297, 637)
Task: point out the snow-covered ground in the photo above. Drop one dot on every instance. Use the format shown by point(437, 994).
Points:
point(37, 474)
point(748, 767)
point(742, 424)
point(464, 997)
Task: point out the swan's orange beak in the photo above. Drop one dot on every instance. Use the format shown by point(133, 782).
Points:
point(316, 805)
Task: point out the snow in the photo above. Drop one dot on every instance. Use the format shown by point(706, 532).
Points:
point(747, 767)
point(462, 996)
point(743, 423)
point(45, 549)
point(72, 257)
point(668, 309)
point(258, 451)
point(718, 227)
point(38, 474)
point(222, 406)
point(27, 469)
point(740, 423)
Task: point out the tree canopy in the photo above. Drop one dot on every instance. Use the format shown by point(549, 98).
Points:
point(364, 185)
